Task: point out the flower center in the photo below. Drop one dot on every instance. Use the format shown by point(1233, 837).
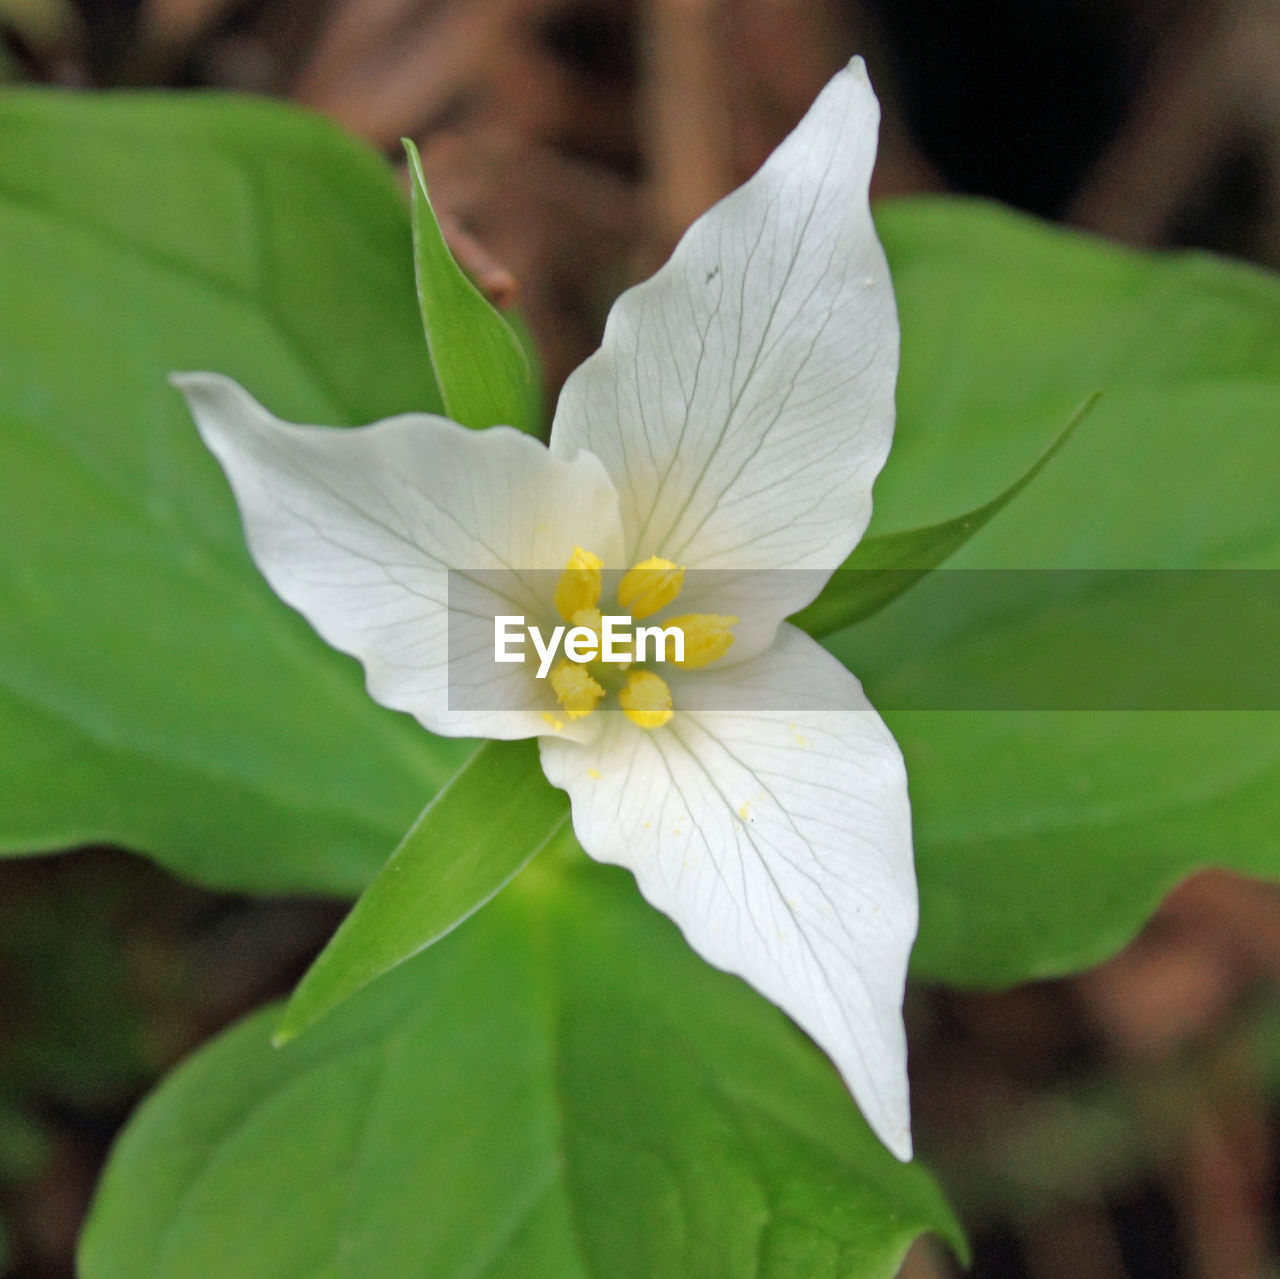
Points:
point(645, 589)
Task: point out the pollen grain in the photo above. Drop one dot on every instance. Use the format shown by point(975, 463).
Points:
point(649, 586)
point(575, 690)
point(646, 699)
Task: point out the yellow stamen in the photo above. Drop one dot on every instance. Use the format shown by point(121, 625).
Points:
point(579, 586)
point(575, 690)
point(646, 699)
point(707, 637)
point(650, 585)
point(588, 617)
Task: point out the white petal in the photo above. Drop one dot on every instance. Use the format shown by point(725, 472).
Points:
point(742, 398)
point(780, 842)
point(357, 529)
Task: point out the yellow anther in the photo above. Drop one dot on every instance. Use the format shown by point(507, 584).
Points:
point(579, 586)
point(707, 637)
point(650, 585)
point(588, 617)
point(646, 699)
point(575, 690)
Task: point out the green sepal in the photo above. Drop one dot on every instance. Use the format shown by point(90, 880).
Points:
point(478, 359)
point(882, 568)
point(496, 813)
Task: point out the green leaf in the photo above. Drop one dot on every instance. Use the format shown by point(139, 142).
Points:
point(1045, 838)
point(479, 362)
point(882, 568)
point(496, 814)
point(560, 1089)
point(153, 692)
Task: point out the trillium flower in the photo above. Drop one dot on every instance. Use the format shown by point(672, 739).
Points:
point(734, 419)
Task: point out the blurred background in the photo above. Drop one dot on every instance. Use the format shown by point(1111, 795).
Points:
point(1121, 1123)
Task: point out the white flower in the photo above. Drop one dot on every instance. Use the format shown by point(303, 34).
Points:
point(735, 418)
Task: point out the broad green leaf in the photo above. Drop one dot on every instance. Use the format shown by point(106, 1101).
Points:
point(882, 568)
point(1044, 839)
point(479, 362)
point(496, 813)
point(153, 692)
point(558, 1090)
